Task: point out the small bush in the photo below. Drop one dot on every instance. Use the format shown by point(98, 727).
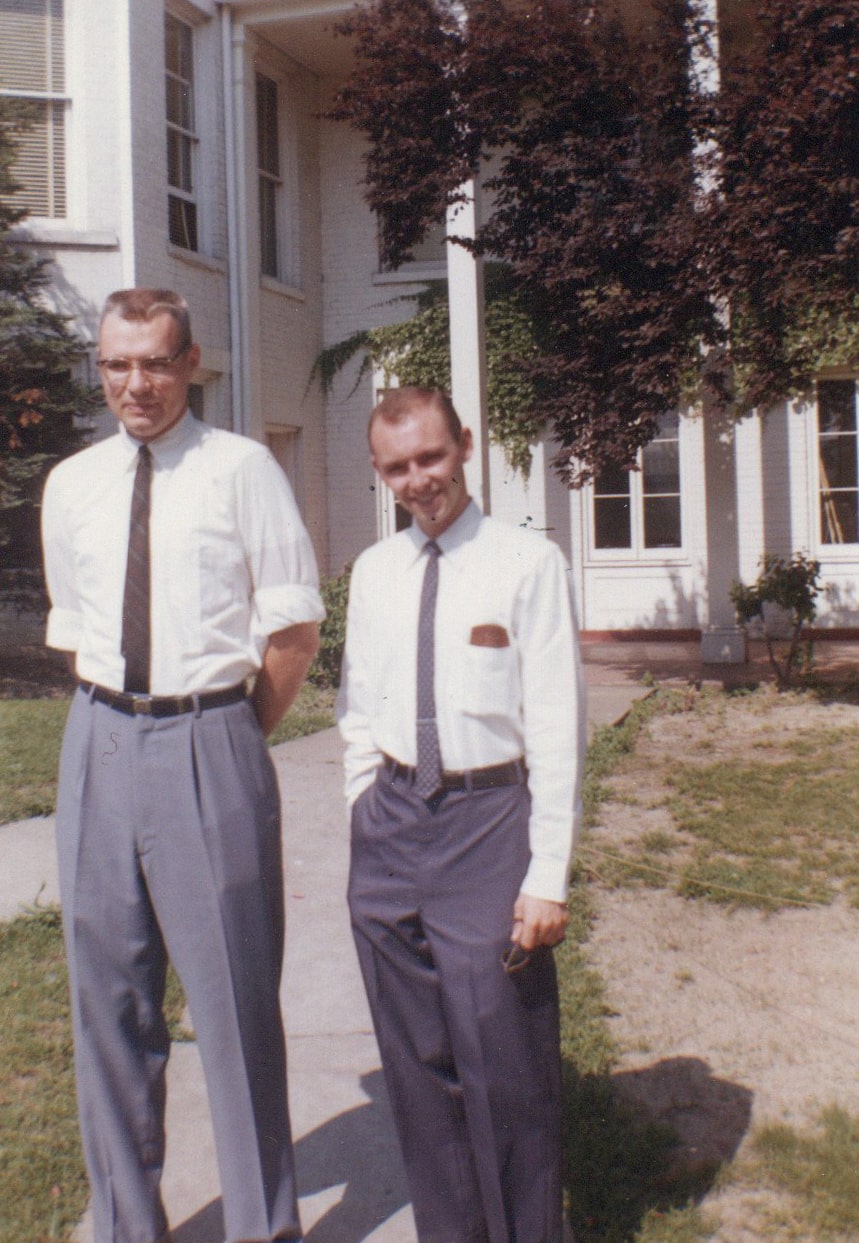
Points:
point(325, 670)
point(790, 586)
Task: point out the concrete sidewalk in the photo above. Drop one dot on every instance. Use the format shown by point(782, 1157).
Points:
point(350, 1176)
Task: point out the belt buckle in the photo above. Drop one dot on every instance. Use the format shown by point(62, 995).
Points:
point(141, 705)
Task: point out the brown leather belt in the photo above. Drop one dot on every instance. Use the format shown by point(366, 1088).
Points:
point(511, 773)
point(163, 705)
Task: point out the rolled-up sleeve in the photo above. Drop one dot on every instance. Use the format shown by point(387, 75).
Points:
point(65, 621)
point(281, 561)
point(554, 722)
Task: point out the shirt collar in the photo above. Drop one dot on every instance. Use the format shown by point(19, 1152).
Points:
point(457, 535)
point(164, 448)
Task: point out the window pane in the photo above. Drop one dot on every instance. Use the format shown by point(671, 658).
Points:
point(180, 109)
point(268, 226)
point(27, 45)
point(182, 222)
point(836, 404)
point(179, 105)
point(612, 527)
point(178, 47)
point(612, 481)
point(179, 156)
point(268, 154)
point(662, 522)
point(838, 462)
point(839, 517)
point(39, 167)
point(669, 425)
point(661, 466)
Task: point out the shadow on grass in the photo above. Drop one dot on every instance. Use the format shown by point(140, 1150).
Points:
point(645, 1141)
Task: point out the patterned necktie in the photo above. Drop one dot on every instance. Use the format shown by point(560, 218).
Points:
point(428, 771)
point(136, 637)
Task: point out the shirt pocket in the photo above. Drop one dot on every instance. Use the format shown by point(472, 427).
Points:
point(487, 682)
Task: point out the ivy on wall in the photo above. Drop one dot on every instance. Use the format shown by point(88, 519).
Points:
point(417, 351)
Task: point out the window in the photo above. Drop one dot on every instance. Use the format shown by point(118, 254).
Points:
point(197, 401)
point(640, 511)
point(32, 71)
point(181, 135)
point(268, 163)
point(837, 462)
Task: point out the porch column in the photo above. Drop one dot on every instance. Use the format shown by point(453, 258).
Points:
point(468, 340)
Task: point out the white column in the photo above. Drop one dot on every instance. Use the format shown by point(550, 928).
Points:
point(233, 55)
point(468, 341)
point(705, 76)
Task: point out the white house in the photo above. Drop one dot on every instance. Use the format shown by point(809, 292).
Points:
point(182, 144)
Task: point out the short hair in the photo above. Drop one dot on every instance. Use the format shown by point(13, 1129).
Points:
point(398, 403)
point(142, 305)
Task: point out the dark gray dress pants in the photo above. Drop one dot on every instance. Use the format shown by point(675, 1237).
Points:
point(169, 844)
point(470, 1054)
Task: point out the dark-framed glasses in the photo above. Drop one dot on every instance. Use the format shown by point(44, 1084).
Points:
point(154, 368)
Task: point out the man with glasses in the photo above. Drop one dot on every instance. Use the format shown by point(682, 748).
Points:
point(179, 573)
point(463, 714)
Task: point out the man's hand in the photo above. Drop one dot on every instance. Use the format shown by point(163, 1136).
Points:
point(285, 662)
point(537, 921)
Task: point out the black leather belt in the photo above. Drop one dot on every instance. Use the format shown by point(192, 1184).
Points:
point(164, 705)
point(511, 773)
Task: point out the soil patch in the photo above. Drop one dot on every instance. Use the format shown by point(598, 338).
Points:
point(725, 1018)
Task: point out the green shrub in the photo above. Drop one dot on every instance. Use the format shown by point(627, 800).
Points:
point(325, 670)
point(790, 586)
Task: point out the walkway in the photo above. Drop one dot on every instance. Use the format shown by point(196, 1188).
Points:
point(349, 1168)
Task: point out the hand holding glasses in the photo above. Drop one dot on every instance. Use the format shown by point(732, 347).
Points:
point(515, 958)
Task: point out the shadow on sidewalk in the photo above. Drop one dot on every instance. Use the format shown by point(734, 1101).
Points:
point(356, 1150)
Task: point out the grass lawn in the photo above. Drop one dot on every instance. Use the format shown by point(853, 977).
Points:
point(772, 828)
point(43, 1189)
point(616, 1165)
point(31, 732)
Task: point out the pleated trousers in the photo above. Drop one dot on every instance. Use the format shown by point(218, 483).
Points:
point(169, 845)
point(470, 1054)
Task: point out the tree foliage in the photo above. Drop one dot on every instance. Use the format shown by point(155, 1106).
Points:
point(39, 398)
point(785, 233)
point(657, 270)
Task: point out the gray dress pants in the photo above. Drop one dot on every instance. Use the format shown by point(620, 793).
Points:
point(169, 844)
point(471, 1055)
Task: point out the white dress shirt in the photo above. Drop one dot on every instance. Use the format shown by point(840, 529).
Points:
point(522, 696)
point(231, 560)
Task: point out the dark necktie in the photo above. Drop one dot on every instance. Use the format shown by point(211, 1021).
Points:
point(136, 637)
point(428, 769)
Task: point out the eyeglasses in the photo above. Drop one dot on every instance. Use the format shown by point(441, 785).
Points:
point(154, 368)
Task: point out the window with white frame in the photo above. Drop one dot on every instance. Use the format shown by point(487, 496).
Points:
point(181, 133)
point(639, 512)
point(838, 487)
point(32, 73)
point(270, 181)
